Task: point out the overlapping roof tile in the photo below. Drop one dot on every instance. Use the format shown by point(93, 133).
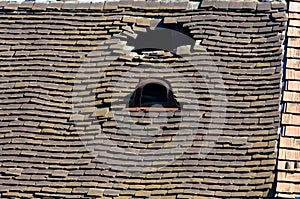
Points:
point(288, 159)
point(58, 58)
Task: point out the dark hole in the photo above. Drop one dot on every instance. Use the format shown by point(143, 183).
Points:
point(166, 37)
point(154, 94)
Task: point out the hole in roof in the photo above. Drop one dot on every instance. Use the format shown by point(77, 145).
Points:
point(155, 94)
point(166, 37)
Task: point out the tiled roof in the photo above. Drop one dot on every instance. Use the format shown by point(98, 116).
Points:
point(60, 58)
point(289, 150)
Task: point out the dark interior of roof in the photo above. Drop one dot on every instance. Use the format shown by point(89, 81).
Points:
point(154, 94)
point(165, 37)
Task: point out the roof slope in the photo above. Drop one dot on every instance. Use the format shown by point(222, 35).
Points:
point(60, 57)
point(289, 152)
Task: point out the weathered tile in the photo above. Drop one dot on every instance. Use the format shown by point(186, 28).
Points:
point(234, 39)
point(263, 6)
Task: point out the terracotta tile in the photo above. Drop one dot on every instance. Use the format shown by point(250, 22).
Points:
point(286, 142)
point(281, 166)
point(296, 143)
point(282, 174)
point(286, 118)
point(295, 188)
point(286, 195)
point(284, 187)
point(292, 131)
point(291, 155)
point(293, 108)
point(293, 63)
point(293, 53)
point(294, 41)
point(291, 96)
point(293, 15)
point(293, 85)
point(293, 177)
point(294, 6)
point(295, 119)
point(294, 22)
point(290, 74)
